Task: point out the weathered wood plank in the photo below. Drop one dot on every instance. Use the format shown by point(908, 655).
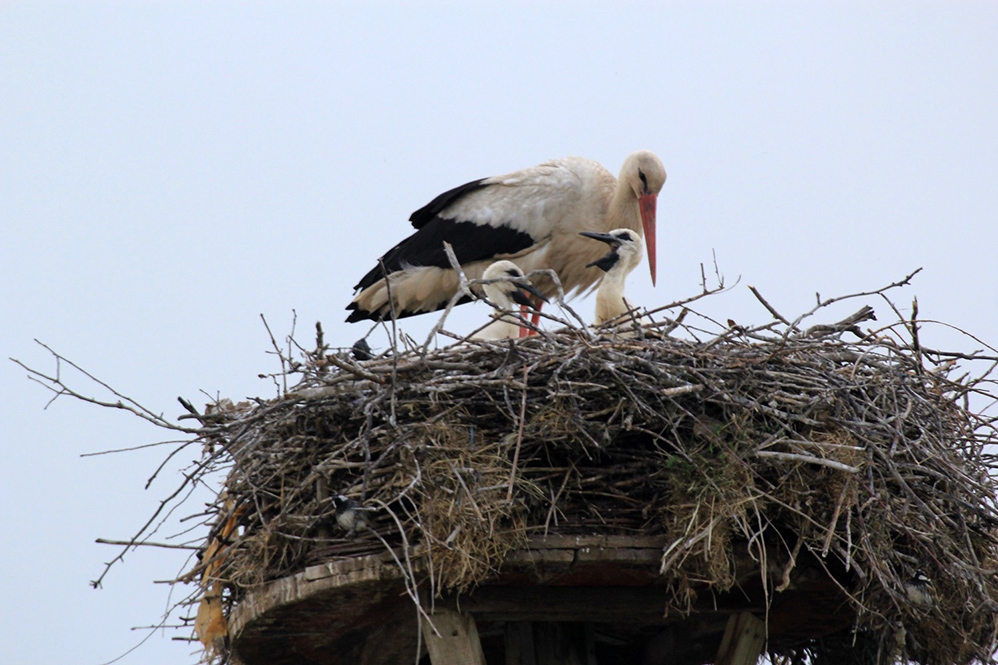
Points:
point(457, 642)
point(743, 640)
point(520, 643)
point(589, 644)
point(641, 605)
point(333, 613)
point(619, 555)
point(556, 557)
point(559, 643)
point(555, 552)
point(575, 542)
point(312, 581)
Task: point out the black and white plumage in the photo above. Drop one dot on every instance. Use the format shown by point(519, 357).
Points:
point(510, 290)
point(530, 217)
point(350, 515)
point(623, 257)
point(919, 590)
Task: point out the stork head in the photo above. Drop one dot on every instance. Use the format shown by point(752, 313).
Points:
point(511, 286)
point(644, 175)
point(625, 250)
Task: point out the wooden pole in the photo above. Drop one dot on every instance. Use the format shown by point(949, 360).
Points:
point(520, 643)
point(458, 642)
point(743, 639)
point(564, 643)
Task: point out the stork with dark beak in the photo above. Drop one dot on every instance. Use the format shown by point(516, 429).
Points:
point(509, 289)
point(623, 257)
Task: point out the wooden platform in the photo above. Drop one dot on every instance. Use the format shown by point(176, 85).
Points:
point(583, 600)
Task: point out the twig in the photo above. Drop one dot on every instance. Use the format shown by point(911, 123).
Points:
point(146, 543)
point(56, 385)
point(137, 538)
point(849, 324)
point(916, 346)
point(132, 448)
point(354, 368)
point(395, 348)
point(765, 303)
point(519, 437)
point(808, 459)
point(825, 303)
point(462, 292)
point(280, 355)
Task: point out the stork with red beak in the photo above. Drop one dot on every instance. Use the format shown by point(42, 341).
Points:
point(531, 217)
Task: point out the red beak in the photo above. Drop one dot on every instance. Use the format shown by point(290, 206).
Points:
point(647, 203)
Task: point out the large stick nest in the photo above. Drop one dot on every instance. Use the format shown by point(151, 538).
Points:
point(865, 454)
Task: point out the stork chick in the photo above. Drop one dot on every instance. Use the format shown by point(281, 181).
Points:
point(510, 289)
point(623, 257)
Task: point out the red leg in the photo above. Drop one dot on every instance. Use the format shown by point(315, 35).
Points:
point(535, 319)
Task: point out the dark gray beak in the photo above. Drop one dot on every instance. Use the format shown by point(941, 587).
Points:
point(602, 237)
point(608, 260)
point(521, 297)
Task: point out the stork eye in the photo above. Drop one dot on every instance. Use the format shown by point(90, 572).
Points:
point(625, 236)
point(644, 180)
point(512, 273)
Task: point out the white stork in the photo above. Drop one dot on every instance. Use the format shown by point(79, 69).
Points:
point(531, 217)
point(510, 289)
point(623, 257)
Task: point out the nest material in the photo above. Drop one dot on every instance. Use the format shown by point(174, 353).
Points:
point(855, 452)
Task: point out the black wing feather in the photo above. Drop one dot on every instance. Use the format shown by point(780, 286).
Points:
point(432, 209)
point(357, 314)
point(470, 241)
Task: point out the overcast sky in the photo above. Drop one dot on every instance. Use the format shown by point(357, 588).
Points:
point(170, 171)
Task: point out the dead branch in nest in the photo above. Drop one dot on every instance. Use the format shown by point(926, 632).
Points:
point(56, 385)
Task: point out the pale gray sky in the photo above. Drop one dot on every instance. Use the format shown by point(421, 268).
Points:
point(171, 170)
